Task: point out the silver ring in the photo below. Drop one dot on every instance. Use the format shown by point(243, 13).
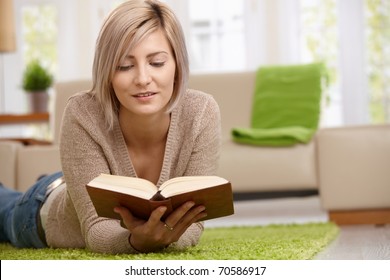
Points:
point(168, 227)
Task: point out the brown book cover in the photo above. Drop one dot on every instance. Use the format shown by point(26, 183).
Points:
point(105, 195)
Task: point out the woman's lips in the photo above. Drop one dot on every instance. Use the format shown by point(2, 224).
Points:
point(144, 94)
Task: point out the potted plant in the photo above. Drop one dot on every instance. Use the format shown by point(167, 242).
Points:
point(36, 81)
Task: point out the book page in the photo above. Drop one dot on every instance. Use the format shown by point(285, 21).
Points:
point(189, 183)
point(128, 185)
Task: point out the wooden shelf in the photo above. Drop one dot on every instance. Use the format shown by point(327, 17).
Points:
point(12, 119)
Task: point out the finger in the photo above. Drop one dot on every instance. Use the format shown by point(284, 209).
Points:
point(202, 214)
point(155, 217)
point(179, 213)
point(192, 216)
point(128, 220)
point(185, 225)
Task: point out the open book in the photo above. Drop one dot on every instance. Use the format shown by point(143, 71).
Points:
point(141, 196)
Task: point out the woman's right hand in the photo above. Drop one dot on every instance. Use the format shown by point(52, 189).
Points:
point(153, 234)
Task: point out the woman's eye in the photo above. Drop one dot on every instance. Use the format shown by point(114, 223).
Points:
point(157, 64)
point(124, 68)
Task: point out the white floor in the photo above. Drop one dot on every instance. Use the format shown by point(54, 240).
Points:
point(273, 211)
point(359, 242)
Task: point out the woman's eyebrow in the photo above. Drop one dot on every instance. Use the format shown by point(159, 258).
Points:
point(149, 55)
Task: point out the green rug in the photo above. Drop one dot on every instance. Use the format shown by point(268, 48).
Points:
point(273, 242)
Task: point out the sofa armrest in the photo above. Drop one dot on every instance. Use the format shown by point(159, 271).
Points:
point(354, 167)
point(35, 161)
point(8, 156)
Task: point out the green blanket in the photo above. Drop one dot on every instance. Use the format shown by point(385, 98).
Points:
point(286, 106)
point(280, 136)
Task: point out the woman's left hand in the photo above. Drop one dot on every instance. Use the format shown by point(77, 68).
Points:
point(153, 234)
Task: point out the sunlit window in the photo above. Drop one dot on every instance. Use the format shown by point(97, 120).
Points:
point(319, 42)
point(378, 58)
point(217, 38)
point(40, 31)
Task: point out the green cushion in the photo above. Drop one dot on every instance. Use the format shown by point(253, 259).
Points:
point(280, 136)
point(288, 99)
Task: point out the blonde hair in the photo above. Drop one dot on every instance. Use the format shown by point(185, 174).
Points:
point(124, 27)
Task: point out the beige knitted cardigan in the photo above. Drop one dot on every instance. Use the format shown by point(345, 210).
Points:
point(88, 148)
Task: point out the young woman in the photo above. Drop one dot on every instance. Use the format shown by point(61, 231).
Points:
point(139, 119)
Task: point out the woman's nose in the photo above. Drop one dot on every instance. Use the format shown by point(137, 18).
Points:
point(143, 77)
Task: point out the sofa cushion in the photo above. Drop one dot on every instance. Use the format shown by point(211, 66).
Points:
point(63, 91)
point(8, 160)
point(254, 168)
point(233, 93)
point(35, 161)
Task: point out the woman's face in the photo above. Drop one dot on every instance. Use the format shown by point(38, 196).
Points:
point(144, 80)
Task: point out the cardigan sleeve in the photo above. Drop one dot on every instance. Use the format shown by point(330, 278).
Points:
point(207, 140)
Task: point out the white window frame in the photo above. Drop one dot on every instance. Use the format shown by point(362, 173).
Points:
point(354, 79)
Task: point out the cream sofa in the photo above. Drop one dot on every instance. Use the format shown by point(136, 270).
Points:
point(250, 168)
point(327, 164)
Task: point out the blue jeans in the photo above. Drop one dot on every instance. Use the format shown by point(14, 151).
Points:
point(19, 213)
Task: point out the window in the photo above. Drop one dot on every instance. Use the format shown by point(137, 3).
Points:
point(36, 29)
point(217, 37)
point(319, 42)
point(40, 29)
point(378, 58)
point(353, 38)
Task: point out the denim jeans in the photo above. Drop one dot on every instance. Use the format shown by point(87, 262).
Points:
point(19, 212)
